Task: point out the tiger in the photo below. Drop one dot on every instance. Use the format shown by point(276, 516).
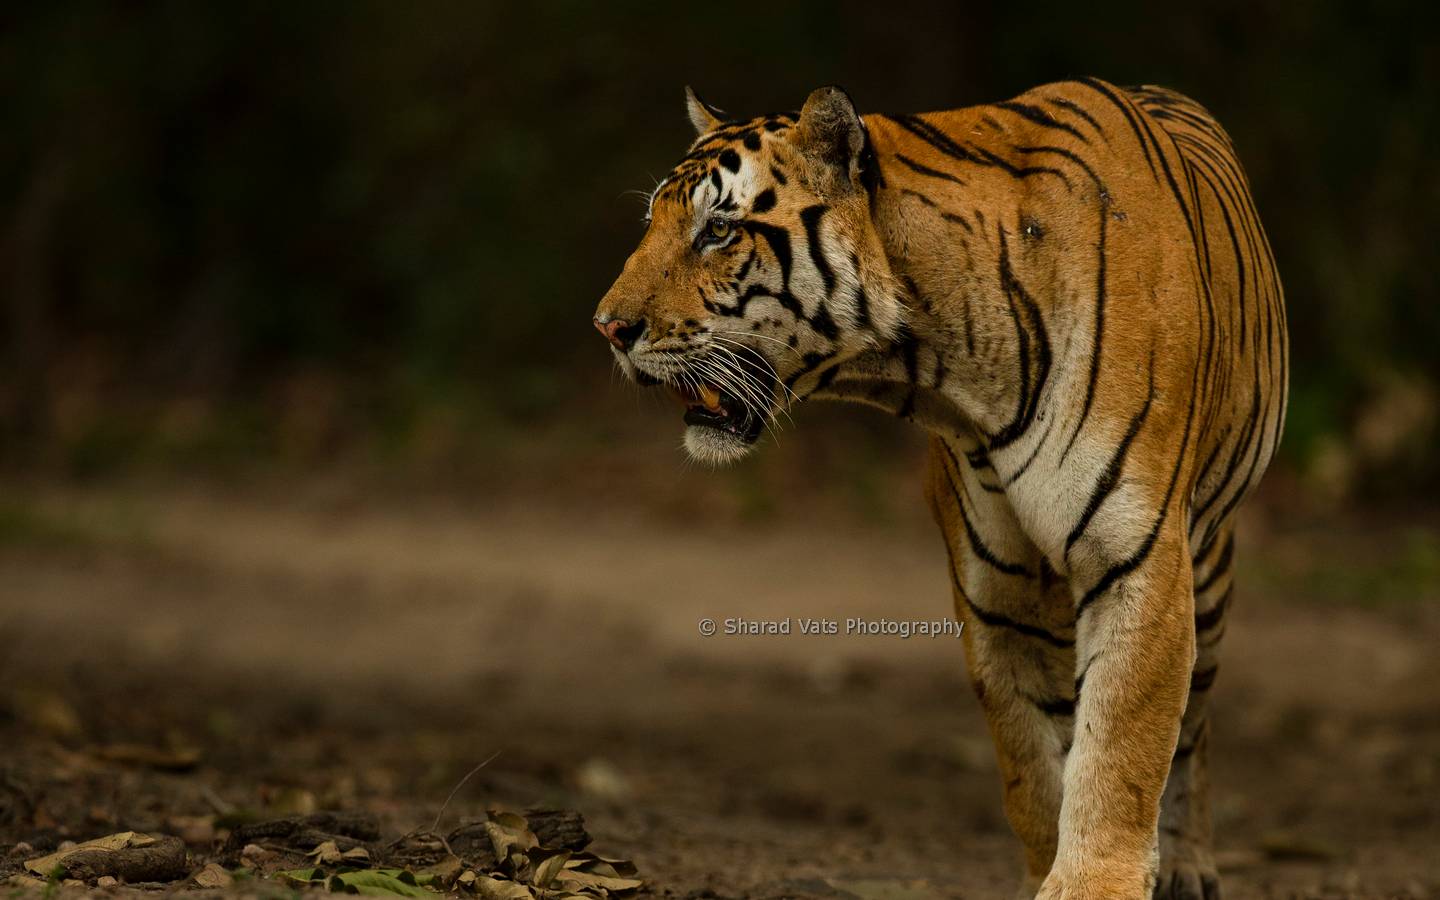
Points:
point(1072, 293)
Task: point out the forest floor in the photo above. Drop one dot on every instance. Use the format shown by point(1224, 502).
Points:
point(183, 660)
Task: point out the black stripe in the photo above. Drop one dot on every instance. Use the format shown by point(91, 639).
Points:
point(926, 170)
point(1237, 453)
point(977, 544)
point(810, 216)
point(1034, 453)
point(1056, 707)
point(809, 363)
point(1031, 383)
point(1110, 476)
point(779, 240)
point(965, 224)
point(1135, 560)
point(1101, 254)
point(826, 377)
point(862, 302)
point(1215, 614)
point(1221, 567)
point(1213, 179)
point(1078, 110)
point(862, 307)
point(1104, 90)
point(823, 322)
point(1203, 679)
point(934, 137)
point(975, 155)
point(996, 620)
point(1033, 150)
point(1040, 117)
point(918, 196)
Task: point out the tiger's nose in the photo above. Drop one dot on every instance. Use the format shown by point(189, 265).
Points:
point(620, 332)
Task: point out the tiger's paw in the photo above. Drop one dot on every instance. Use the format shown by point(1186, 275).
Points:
point(1187, 879)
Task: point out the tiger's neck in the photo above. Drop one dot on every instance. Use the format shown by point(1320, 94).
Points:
point(944, 371)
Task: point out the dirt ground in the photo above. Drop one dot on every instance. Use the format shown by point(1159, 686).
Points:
point(270, 652)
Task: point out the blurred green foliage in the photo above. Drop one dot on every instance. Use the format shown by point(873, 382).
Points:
point(396, 207)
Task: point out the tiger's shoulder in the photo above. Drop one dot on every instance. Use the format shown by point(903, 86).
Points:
point(1099, 127)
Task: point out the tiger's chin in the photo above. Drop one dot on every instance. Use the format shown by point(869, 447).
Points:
point(716, 446)
point(719, 427)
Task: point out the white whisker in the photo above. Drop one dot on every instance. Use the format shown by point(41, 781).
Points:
point(763, 337)
point(769, 369)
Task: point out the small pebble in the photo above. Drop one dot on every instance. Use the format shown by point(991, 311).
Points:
point(254, 854)
point(106, 881)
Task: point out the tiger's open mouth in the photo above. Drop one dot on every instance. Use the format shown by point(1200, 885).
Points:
point(729, 396)
point(712, 407)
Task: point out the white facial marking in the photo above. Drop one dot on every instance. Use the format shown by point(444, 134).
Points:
point(712, 446)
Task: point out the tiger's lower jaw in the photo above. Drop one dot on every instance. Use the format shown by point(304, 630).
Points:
point(716, 446)
point(720, 428)
point(720, 431)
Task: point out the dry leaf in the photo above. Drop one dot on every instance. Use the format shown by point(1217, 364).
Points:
point(546, 871)
point(571, 878)
point(355, 854)
point(509, 832)
point(125, 839)
point(488, 888)
point(600, 865)
point(213, 876)
point(446, 871)
point(326, 853)
point(510, 836)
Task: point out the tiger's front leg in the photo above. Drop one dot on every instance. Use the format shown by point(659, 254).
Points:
point(1019, 644)
point(1135, 650)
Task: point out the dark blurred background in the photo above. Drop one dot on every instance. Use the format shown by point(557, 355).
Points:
point(314, 472)
point(289, 234)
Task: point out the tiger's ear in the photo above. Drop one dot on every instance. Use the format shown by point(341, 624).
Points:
point(703, 116)
point(831, 131)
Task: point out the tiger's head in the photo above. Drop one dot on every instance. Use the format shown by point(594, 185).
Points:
point(760, 270)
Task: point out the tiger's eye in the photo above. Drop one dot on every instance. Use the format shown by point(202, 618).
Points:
point(719, 228)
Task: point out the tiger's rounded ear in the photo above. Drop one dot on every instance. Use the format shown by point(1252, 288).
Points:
point(830, 130)
point(703, 116)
